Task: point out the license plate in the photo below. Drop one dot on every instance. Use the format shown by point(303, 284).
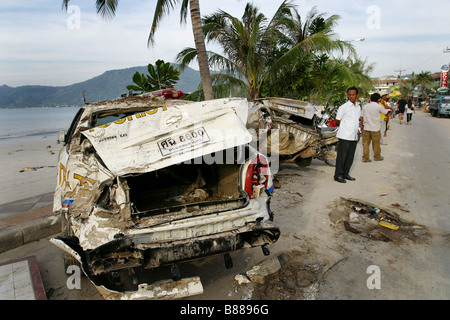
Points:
point(182, 141)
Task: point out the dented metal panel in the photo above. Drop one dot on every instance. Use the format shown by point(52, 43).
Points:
point(152, 140)
point(292, 137)
point(290, 128)
point(164, 289)
point(296, 107)
point(201, 225)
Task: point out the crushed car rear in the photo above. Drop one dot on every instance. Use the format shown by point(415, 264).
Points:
point(142, 185)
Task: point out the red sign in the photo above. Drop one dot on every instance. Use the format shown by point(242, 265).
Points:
point(444, 78)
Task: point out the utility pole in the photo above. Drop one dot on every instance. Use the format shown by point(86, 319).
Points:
point(401, 70)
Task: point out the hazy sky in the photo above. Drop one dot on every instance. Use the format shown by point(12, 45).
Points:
point(42, 44)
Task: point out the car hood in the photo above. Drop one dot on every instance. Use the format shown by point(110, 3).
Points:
point(166, 136)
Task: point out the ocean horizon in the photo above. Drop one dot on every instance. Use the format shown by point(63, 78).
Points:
point(24, 122)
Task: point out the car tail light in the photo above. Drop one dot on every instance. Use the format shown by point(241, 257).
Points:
point(172, 94)
point(258, 177)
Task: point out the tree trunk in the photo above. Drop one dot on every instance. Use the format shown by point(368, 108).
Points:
point(201, 49)
point(253, 91)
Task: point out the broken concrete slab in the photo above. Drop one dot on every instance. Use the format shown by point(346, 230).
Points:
point(241, 278)
point(259, 272)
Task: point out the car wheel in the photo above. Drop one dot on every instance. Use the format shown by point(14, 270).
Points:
point(303, 162)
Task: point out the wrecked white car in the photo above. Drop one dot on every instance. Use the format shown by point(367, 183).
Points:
point(145, 183)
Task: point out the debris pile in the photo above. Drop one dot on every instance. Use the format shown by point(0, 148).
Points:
point(376, 223)
point(292, 275)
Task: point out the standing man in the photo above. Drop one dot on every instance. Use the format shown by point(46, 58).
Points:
point(401, 104)
point(348, 120)
point(370, 117)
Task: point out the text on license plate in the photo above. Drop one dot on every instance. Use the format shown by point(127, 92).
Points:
point(183, 140)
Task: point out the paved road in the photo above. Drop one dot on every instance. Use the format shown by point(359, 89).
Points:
point(415, 175)
point(427, 167)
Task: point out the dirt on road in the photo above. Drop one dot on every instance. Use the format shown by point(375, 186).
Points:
point(336, 245)
point(304, 269)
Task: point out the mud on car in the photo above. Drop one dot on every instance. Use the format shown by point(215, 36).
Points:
point(145, 183)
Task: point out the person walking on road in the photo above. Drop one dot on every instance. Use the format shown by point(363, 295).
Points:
point(392, 105)
point(401, 104)
point(348, 120)
point(384, 124)
point(370, 118)
point(409, 112)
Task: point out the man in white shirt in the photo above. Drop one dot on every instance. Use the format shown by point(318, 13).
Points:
point(348, 120)
point(370, 117)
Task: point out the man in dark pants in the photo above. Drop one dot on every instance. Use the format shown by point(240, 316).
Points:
point(348, 120)
point(401, 104)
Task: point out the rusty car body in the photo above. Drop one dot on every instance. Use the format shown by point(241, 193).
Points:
point(293, 129)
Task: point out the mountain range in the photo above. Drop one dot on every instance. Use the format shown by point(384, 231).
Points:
point(109, 85)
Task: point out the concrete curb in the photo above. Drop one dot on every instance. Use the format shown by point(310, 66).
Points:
point(16, 236)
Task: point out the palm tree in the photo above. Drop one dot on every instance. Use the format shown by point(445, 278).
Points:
point(424, 79)
point(310, 73)
point(247, 45)
point(359, 71)
point(163, 6)
point(315, 29)
point(107, 9)
point(256, 49)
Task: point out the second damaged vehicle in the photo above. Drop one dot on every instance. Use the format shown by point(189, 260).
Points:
point(293, 130)
point(148, 183)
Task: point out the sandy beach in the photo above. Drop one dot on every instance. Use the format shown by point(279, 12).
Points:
point(28, 166)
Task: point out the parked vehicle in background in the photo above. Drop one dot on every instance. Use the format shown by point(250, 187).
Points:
point(146, 182)
point(440, 107)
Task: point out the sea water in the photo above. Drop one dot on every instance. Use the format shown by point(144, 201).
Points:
point(24, 122)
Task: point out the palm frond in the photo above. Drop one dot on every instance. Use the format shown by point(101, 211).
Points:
point(162, 7)
point(105, 8)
